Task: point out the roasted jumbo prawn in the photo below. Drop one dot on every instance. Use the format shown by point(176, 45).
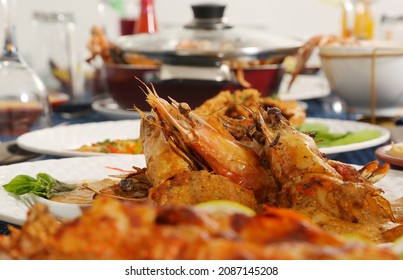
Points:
point(206, 145)
point(308, 178)
point(283, 167)
point(331, 193)
point(177, 179)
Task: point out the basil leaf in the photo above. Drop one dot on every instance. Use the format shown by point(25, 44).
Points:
point(21, 184)
point(59, 187)
point(44, 185)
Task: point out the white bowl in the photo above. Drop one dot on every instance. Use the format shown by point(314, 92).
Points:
point(360, 73)
point(61, 210)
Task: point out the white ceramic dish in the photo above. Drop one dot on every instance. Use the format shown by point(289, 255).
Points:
point(66, 170)
point(14, 211)
point(342, 126)
point(305, 87)
point(58, 209)
point(353, 71)
point(61, 140)
point(111, 110)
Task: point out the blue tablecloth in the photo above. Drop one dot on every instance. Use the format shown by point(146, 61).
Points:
point(315, 109)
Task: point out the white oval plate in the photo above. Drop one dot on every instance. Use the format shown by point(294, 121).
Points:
point(111, 110)
point(62, 140)
point(342, 126)
point(67, 170)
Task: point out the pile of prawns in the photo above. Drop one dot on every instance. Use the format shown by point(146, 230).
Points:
point(258, 159)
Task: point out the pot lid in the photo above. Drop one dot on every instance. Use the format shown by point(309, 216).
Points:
point(209, 36)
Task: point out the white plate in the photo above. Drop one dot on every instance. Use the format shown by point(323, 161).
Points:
point(342, 126)
point(111, 110)
point(61, 140)
point(305, 87)
point(66, 170)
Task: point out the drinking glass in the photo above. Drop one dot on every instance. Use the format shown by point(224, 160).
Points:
point(57, 60)
point(24, 102)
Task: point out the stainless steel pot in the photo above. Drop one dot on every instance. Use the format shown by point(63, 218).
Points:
point(203, 54)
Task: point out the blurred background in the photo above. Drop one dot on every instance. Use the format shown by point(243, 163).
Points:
point(301, 18)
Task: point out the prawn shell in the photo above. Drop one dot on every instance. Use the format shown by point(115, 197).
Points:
point(162, 161)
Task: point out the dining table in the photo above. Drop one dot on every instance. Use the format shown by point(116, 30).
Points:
point(83, 113)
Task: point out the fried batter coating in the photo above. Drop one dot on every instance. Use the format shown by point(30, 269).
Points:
point(115, 229)
point(235, 104)
point(190, 188)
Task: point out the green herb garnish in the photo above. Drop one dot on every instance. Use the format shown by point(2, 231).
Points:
point(44, 185)
point(325, 138)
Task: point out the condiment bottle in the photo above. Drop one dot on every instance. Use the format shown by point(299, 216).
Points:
point(347, 20)
point(146, 22)
point(364, 21)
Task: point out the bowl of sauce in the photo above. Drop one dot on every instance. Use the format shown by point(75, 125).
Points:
point(392, 154)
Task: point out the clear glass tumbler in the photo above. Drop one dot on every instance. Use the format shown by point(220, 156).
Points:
point(56, 59)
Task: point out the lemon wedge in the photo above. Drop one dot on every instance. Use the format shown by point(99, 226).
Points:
point(225, 207)
point(397, 247)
